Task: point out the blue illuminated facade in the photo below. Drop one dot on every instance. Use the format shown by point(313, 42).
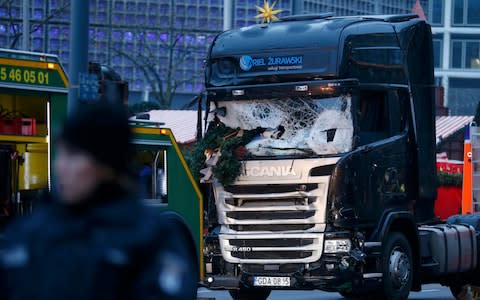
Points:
point(131, 35)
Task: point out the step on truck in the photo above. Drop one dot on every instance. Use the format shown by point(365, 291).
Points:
point(319, 168)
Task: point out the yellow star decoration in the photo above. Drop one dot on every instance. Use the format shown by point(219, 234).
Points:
point(267, 12)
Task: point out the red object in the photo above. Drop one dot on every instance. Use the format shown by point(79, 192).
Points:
point(449, 202)
point(449, 198)
point(240, 152)
point(449, 166)
point(26, 126)
point(18, 126)
point(7, 126)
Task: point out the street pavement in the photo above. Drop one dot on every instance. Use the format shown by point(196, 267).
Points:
point(429, 291)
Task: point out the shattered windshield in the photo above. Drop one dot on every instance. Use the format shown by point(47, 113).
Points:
point(291, 126)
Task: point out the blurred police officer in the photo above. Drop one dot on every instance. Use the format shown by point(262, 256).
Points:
point(96, 241)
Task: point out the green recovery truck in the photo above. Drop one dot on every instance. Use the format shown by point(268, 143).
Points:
point(33, 104)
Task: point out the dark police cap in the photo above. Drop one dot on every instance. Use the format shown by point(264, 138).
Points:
point(102, 130)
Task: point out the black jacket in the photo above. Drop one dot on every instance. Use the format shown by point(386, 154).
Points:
point(111, 248)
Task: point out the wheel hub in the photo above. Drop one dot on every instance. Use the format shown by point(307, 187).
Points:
point(399, 268)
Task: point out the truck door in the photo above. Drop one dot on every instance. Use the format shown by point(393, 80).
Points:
point(151, 169)
point(382, 132)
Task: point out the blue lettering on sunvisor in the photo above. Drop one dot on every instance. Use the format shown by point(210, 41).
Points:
point(248, 62)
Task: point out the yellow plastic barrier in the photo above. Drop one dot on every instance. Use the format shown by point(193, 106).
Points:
point(33, 169)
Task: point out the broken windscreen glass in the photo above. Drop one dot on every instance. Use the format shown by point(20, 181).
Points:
point(292, 126)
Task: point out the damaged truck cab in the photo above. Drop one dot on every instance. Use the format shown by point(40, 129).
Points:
point(335, 124)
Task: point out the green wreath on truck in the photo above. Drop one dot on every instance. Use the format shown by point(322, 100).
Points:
point(449, 179)
point(219, 153)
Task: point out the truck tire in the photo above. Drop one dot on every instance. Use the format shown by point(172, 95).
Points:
point(247, 294)
point(397, 268)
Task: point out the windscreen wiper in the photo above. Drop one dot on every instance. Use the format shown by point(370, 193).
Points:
point(306, 151)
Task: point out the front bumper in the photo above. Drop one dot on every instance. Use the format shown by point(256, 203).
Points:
point(334, 273)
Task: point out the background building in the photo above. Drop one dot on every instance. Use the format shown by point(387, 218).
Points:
point(359, 7)
point(159, 46)
point(456, 27)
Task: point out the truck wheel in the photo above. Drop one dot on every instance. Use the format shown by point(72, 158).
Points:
point(246, 294)
point(397, 267)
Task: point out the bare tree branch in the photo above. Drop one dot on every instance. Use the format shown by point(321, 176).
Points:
point(161, 77)
point(6, 3)
point(130, 57)
point(154, 70)
point(17, 35)
point(12, 25)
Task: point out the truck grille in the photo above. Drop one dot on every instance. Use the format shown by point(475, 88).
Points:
point(271, 242)
point(293, 206)
point(272, 248)
point(273, 255)
point(270, 188)
point(265, 223)
point(273, 228)
point(270, 215)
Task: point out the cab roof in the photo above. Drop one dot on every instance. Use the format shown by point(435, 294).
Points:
point(301, 32)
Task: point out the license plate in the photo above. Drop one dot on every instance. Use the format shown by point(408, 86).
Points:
point(271, 281)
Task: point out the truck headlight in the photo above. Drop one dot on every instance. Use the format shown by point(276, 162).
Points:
point(337, 246)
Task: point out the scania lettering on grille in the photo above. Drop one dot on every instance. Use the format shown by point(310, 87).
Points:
point(271, 171)
point(240, 249)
